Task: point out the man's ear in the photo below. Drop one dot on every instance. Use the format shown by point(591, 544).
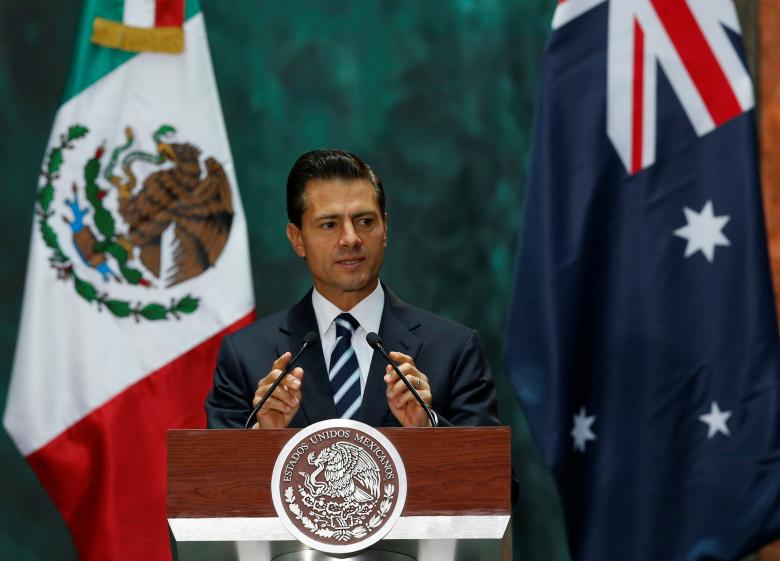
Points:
point(296, 240)
point(384, 240)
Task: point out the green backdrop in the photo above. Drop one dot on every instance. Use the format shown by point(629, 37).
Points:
point(436, 94)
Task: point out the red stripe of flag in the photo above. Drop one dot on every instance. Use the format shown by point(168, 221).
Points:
point(698, 58)
point(168, 13)
point(637, 129)
point(106, 473)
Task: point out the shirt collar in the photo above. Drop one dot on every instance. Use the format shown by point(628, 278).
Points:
point(367, 312)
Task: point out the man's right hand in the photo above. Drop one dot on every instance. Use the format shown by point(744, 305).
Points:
point(283, 404)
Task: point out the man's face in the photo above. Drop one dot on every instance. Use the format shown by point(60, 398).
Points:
point(343, 236)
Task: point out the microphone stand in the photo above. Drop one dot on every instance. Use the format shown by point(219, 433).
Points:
point(376, 343)
point(309, 339)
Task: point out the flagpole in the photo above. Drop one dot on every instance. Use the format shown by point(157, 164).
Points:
point(769, 126)
point(769, 83)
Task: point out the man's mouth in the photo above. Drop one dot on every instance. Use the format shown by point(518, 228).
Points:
point(350, 262)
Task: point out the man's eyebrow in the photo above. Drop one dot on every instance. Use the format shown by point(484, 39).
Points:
point(355, 214)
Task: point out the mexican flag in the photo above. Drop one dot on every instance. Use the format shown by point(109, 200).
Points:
point(138, 265)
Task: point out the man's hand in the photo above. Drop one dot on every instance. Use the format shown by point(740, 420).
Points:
point(401, 401)
point(283, 404)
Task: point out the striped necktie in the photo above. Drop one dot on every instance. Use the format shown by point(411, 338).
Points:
point(344, 372)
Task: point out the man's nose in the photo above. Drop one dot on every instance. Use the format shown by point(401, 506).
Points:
point(349, 236)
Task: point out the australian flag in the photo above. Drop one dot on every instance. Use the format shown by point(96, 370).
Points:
point(642, 340)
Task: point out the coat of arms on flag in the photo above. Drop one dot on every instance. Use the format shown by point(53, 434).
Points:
point(138, 265)
point(129, 229)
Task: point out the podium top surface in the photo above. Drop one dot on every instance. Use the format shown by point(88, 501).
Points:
point(450, 471)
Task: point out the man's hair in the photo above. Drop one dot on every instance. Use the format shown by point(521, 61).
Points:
point(327, 164)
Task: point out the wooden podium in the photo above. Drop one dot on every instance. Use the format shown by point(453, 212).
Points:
point(457, 505)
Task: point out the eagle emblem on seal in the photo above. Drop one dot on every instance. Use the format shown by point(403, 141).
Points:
point(350, 474)
point(342, 494)
point(339, 486)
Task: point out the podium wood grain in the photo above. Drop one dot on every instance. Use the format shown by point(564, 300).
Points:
point(226, 473)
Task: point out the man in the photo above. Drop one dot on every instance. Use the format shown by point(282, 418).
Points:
point(338, 224)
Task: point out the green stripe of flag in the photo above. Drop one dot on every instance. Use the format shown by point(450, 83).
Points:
point(91, 62)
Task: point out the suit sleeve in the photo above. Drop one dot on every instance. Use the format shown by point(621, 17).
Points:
point(472, 396)
point(229, 402)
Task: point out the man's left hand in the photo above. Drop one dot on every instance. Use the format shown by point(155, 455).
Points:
point(401, 401)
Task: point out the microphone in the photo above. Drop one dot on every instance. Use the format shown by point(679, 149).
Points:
point(376, 343)
point(308, 340)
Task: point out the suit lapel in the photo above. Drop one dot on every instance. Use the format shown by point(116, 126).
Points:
point(317, 398)
point(395, 329)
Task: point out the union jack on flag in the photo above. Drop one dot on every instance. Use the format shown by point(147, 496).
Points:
point(642, 339)
point(688, 41)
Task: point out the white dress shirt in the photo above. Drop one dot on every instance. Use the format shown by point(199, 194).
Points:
point(368, 313)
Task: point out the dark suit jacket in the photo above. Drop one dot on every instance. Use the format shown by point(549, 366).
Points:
point(448, 353)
